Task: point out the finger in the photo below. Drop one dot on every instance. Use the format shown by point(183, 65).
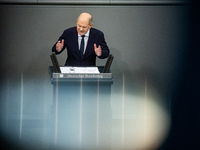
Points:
point(58, 42)
point(62, 42)
point(95, 46)
point(58, 45)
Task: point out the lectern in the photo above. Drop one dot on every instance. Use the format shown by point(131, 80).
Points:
point(81, 112)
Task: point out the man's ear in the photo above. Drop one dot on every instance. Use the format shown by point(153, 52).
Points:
point(91, 25)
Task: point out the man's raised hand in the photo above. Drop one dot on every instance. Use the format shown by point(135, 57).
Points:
point(59, 45)
point(97, 50)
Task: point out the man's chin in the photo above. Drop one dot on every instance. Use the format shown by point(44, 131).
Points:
point(81, 33)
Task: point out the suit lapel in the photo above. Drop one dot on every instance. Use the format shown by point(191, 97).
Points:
point(75, 43)
point(90, 45)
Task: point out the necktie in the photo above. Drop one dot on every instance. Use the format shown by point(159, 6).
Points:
point(82, 46)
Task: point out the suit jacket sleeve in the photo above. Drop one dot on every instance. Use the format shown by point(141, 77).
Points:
point(60, 39)
point(104, 47)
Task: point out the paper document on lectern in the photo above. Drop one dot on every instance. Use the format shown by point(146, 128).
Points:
point(79, 70)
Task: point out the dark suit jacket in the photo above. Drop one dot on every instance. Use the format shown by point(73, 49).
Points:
point(70, 37)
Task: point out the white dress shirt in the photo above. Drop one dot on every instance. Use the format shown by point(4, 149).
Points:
point(85, 40)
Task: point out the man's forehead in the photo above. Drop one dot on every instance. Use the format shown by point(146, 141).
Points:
point(83, 22)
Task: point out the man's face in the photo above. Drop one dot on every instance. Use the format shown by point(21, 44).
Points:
point(83, 26)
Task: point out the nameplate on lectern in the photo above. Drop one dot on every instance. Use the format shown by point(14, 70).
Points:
point(82, 75)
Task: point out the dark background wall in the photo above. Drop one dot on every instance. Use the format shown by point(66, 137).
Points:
point(149, 42)
point(142, 38)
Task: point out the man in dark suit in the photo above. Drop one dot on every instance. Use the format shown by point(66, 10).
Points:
point(83, 43)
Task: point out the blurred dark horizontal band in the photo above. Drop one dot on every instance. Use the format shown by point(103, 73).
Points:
point(103, 2)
